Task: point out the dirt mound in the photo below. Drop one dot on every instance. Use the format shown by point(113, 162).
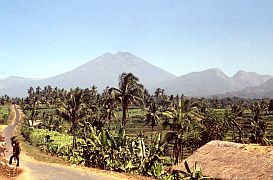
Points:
point(226, 160)
point(7, 170)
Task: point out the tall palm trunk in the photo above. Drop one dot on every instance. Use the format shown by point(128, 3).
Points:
point(74, 143)
point(124, 113)
point(73, 131)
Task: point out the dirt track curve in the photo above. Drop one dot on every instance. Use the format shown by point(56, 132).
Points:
point(35, 170)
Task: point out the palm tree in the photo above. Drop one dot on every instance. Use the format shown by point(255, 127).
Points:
point(72, 110)
point(259, 126)
point(30, 91)
point(161, 98)
point(182, 122)
point(94, 90)
point(108, 107)
point(146, 96)
point(130, 91)
point(270, 106)
point(157, 92)
point(152, 116)
point(33, 101)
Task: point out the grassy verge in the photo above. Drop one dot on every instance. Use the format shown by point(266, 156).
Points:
point(7, 114)
point(4, 114)
point(35, 152)
point(39, 155)
point(12, 114)
point(2, 127)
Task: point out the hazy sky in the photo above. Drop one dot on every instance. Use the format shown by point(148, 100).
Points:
point(42, 38)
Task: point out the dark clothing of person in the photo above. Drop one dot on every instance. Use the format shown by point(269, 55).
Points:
point(16, 158)
point(16, 152)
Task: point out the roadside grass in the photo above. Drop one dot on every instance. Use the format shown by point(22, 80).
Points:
point(39, 155)
point(12, 114)
point(2, 127)
point(35, 152)
point(4, 114)
point(7, 114)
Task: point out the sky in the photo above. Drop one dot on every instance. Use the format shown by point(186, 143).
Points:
point(39, 38)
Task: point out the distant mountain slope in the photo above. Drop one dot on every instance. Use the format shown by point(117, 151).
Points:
point(262, 91)
point(245, 79)
point(15, 86)
point(204, 83)
point(213, 82)
point(12, 80)
point(101, 72)
point(105, 70)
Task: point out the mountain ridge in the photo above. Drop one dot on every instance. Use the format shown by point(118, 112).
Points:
point(212, 82)
point(249, 79)
point(202, 83)
point(264, 90)
point(104, 71)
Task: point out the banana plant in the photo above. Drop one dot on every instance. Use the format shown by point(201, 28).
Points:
point(194, 174)
point(258, 125)
point(154, 161)
point(181, 120)
point(153, 116)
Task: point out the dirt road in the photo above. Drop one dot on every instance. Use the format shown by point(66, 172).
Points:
point(35, 170)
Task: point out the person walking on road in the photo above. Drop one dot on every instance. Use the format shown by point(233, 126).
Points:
point(16, 152)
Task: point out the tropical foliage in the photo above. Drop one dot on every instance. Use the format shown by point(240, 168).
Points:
point(127, 129)
point(4, 113)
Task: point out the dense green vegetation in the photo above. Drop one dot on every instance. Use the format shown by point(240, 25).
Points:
point(4, 113)
point(128, 129)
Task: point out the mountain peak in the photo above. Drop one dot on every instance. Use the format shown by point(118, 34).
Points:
point(127, 56)
point(115, 56)
point(249, 79)
point(215, 70)
point(15, 78)
point(104, 71)
point(208, 82)
point(241, 72)
point(244, 73)
point(120, 53)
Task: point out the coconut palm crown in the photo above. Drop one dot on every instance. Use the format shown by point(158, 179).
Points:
point(130, 91)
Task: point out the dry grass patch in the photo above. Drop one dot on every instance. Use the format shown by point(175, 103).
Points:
point(12, 115)
point(2, 127)
point(8, 171)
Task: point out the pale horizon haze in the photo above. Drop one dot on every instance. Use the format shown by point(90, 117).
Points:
point(40, 39)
